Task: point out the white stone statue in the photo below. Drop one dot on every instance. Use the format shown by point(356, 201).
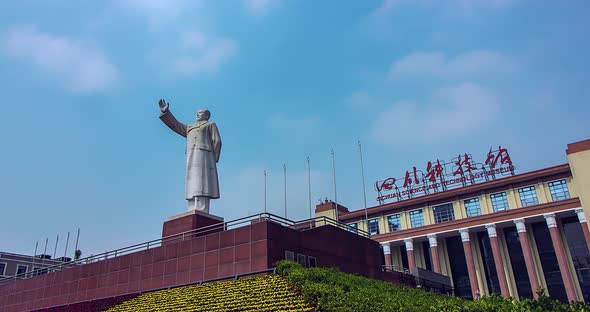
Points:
point(203, 145)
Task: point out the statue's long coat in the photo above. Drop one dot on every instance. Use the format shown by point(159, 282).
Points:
point(203, 145)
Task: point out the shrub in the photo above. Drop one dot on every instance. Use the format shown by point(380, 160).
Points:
point(331, 290)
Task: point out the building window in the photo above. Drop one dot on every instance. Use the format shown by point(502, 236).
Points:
point(313, 262)
point(373, 226)
point(416, 218)
point(499, 201)
point(394, 223)
point(443, 213)
point(21, 269)
point(528, 196)
point(558, 190)
point(301, 259)
point(472, 207)
point(353, 227)
point(38, 271)
point(2, 268)
point(289, 255)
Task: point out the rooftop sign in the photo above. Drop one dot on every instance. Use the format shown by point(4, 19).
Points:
point(440, 176)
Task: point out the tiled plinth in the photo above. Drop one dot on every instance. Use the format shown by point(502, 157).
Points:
point(189, 221)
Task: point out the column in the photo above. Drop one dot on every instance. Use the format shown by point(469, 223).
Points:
point(584, 224)
point(387, 255)
point(561, 259)
point(434, 252)
point(470, 265)
point(528, 256)
point(410, 252)
point(498, 260)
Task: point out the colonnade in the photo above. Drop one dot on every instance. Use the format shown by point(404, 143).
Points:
point(556, 239)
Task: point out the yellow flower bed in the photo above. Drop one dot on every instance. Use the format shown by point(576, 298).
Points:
point(262, 293)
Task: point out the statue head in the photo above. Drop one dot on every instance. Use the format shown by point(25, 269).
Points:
point(203, 115)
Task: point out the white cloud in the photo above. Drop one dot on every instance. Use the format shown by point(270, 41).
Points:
point(200, 53)
point(436, 64)
point(81, 65)
point(260, 7)
point(453, 112)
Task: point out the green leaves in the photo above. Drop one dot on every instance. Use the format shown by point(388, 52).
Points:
point(331, 290)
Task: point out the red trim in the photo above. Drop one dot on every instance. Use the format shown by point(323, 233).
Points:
point(455, 194)
point(578, 147)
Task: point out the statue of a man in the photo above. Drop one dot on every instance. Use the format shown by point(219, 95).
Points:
point(203, 145)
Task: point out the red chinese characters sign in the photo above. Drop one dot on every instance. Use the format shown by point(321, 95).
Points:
point(439, 175)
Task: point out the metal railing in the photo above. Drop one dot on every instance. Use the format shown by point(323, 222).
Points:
point(296, 225)
point(407, 278)
point(395, 268)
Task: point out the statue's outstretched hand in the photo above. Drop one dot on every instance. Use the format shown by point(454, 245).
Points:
point(163, 105)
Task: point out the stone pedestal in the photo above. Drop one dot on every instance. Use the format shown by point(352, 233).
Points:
point(189, 221)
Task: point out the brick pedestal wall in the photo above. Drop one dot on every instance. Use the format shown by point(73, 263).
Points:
point(246, 249)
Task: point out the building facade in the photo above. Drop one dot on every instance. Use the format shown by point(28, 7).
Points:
point(25, 266)
point(507, 236)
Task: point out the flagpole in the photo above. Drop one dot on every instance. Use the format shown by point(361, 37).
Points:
point(265, 191)
point(363, 182)
point(77, 238)
point(285, 178)
point(309, 185)
point(55, 250)
point(67, 242)
point(334, 173)
point(45, 250)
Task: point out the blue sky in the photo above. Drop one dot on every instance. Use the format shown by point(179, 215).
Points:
point(82, 145)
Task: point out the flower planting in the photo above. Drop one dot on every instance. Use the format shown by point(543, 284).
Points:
point(262, 293)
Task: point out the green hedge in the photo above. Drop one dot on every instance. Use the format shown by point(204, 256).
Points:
point(331, 290)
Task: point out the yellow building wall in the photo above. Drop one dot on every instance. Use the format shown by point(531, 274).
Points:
point(580, 166)
point(404, 221)
point(542, 191)
point(362, 225)
point(513, 200)
point(484, 205)
point(459, 209)
point(383, 226)
point(571, 186)
point(428, 215)
point(405, 217)
point(328, 213)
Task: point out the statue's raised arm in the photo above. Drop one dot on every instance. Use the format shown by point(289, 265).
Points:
point(170, 120)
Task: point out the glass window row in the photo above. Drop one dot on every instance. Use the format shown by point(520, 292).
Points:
point(445, 212)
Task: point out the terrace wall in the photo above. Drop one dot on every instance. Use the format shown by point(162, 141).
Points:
point(242, 250)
